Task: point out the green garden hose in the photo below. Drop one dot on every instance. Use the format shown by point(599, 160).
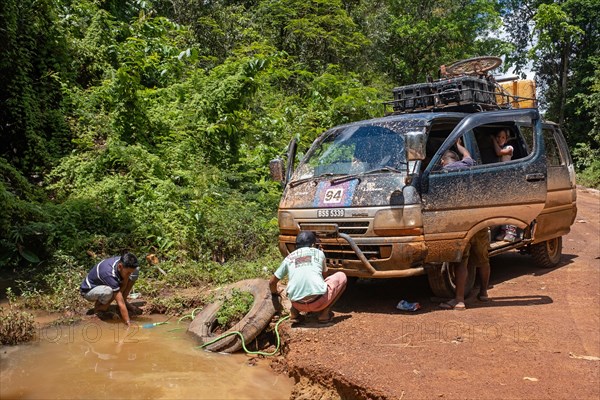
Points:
point(190, 316)
point(243, 342)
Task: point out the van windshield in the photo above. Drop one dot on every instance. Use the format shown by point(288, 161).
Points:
point(356, 149)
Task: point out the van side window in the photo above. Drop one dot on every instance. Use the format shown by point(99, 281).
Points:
point(484, 135)
point(527, 134)
point(553, 156)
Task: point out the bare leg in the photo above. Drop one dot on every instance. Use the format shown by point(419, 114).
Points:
point(294, 314)
point(484, 275)
point(460, 277)
point(100, 307)
point(461, 273)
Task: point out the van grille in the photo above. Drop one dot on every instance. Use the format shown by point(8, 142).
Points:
point(352, 228)
point(343, 251)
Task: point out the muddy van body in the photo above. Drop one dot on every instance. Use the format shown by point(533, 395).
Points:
point(375, 193)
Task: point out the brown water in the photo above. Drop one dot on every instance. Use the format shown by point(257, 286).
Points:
point(98, 360)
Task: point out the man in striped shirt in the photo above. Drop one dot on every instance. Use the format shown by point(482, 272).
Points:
point(111, 279)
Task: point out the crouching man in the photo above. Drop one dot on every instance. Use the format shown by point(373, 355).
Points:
point(112, 279)
point(307, 288)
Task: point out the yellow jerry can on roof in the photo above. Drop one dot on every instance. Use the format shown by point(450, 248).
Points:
point(519, 93)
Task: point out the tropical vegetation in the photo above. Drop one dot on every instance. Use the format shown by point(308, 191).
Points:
point(148, 125)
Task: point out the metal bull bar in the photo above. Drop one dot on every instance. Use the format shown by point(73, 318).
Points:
point(331, 230)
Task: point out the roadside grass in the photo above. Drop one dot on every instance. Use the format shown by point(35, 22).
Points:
point(590, 176)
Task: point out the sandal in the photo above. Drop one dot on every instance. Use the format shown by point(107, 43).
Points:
point(297, 319)
point(483, 298)
point(325, 321)
point(452, 305)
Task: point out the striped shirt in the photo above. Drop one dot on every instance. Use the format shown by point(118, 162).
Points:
point(106, 273)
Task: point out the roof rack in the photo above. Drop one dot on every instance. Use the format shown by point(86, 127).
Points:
point(464, 86)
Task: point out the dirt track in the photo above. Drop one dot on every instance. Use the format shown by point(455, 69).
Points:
point(524, 344)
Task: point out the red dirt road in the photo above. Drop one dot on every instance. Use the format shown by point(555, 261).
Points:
point(530, 342)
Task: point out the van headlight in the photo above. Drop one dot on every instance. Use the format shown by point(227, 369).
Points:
point(400, 221)
point(287, 224)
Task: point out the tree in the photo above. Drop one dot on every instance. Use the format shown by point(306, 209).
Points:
point(422, 35)
point(35, 58)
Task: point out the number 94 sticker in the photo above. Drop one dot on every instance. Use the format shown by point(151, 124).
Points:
point(333, 196)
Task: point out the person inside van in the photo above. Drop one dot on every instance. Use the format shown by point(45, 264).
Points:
point(451, 161)
point(504, 151)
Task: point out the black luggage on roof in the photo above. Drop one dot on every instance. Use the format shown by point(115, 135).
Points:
point(463, 92)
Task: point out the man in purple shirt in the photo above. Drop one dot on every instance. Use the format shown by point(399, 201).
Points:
point(451, 161)
point(111, 279)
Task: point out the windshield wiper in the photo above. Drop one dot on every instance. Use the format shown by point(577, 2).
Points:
point(383, 169)
point(357, 176)
point(304, 180)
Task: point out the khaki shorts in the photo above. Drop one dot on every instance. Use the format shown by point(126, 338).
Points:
point(336, 283)
point(476, 251)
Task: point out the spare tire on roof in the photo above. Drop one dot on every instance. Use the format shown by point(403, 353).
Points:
point(250, 326)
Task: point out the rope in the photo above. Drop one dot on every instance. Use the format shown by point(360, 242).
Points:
point(262, 353)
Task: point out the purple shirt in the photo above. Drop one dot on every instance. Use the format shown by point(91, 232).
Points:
point(466, 162)
point(105, 273)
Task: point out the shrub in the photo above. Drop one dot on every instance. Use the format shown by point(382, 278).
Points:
point(236, 304)
point(16, 327)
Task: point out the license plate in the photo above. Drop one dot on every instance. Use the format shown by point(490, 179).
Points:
point(330, 213)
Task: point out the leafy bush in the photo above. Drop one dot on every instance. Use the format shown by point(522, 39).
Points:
point(587, 164)
point(590, 176)
point(52, 288)
point(16, 327)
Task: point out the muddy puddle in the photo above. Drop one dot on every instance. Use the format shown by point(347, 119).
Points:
point(98, 360)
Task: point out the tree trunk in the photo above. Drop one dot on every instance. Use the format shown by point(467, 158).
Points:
point(563, 80)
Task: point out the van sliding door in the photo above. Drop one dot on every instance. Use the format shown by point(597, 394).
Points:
point(457, 204)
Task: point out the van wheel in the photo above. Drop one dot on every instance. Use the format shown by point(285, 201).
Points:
point(263, 309)
point(547, 254)
point(442, 280)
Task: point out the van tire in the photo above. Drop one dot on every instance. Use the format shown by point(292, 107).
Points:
point(547, 254)
point(263, 309)
point(442, 280)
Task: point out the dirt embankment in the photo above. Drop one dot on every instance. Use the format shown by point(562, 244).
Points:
point(538, 338)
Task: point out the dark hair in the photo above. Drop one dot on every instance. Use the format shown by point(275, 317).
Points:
point(129, 260)
point(450, 156)
point(305, 239)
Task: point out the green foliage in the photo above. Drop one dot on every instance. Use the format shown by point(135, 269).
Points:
point(590, 176)
point(587, 163)
point(34, 53)
point(149, 126)
point(236, 304)
point(53, 288)
point(16, 327)
point(422, 35)
point(316, 32)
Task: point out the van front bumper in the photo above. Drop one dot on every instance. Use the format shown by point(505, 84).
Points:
point(369, 257)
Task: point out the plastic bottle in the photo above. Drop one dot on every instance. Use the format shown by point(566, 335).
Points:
point(406, 306)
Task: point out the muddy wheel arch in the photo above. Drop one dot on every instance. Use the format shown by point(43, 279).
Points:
point(253, 323)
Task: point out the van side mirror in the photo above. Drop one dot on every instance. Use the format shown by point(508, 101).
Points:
point(415, 145)
point(277, 169)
